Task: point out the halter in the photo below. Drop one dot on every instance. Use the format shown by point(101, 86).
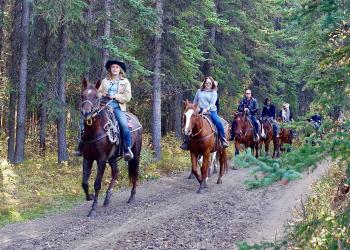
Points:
point(95, 109)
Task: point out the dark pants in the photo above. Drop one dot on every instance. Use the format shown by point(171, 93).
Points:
point(255, 124)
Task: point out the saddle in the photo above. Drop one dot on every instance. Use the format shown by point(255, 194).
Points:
point(217, 145)
point(113, 131)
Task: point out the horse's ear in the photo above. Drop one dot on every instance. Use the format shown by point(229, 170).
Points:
point(98, 84)
point(85, 83)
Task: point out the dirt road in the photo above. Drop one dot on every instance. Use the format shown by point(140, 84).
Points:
point(169, 214)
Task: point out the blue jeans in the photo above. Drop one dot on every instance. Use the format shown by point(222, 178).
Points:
point(217, 121)
point(255, 124)
point(123, 124)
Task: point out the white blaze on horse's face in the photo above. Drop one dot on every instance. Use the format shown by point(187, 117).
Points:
point(188, 115)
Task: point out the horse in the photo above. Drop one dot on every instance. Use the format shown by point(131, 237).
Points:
point(202, 141)
point(286, 136)
point(267, 128)
point(244, 133)
point(97, 146)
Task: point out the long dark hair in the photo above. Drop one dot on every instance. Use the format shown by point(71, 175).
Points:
point(267, 99)
point(213, 84)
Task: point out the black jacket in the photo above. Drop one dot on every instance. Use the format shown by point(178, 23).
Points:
point(269, 111)
point(251, 104)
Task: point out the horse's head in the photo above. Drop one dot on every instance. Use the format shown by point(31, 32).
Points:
point(90, 101)
point(240, 122)
point(189, 115)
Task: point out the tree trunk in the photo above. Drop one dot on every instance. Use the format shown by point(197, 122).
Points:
point(208, 65)
point(22, 88)
point(42, 124)
point(12, 68)
point(178, 114)
point(2, 10)
point(106, 34)
point(156, 101)
point(61, 119)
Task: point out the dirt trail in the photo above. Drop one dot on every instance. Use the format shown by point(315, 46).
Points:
point(169, 214)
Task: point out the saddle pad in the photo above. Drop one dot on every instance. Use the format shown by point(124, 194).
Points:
point(133, 122)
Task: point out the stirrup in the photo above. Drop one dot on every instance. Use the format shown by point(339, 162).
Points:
point(128, 155)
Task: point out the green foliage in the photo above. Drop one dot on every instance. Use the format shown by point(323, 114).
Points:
point(322, 225)
point(261, 246)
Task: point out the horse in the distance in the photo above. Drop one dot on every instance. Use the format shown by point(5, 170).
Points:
point(267, 130)
point(97, 145)
point(244, 133)
point(202, 141)
point(286, 137)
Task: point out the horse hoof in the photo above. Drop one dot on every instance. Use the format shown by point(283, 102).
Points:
point(92, 214)
point(215, 171)
point(200, 191)
point(106, 202)
point(219, 181)
point(90, 197)
point(131, 199)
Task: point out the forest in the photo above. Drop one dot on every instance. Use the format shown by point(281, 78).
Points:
point(294, 51)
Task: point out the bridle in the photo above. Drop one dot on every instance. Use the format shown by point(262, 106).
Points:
point(95, 109)
point(197, 122)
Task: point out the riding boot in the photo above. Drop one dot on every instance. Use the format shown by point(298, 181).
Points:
point(128, 155)
point(256, 136)
point(184, 145)
point(79, 151)
point(224, 142)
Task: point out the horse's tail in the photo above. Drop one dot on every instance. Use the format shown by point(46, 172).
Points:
point(133, 165)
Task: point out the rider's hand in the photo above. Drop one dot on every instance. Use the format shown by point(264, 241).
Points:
point(246, 109)
point(108, 96)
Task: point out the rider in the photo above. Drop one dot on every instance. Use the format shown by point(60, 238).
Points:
point(315, 120)
point(206, 98)
point(249, 105)
point(269, 113)
point(117, 88)
point(286, 114)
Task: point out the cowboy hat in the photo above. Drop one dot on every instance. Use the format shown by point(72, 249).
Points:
point(109, 63)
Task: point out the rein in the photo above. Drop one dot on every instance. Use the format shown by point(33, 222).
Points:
point(200, 130)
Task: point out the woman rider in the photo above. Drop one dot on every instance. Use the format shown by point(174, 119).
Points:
point(117, 88)
point(206, 98)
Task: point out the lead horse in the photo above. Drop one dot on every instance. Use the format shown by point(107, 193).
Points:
point(202, 142)
point(97, 147)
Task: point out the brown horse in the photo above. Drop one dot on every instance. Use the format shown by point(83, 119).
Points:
point(97, 147)
point(202, 142)
point(286, 136)
point(269, 136)
point(244, 133)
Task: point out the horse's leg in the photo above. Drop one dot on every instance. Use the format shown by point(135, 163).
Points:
point(214, 161)
point(101, 166)
point(204, 171)
point(236, 148)
point(194, 160)
point(267, 144)
point(87, 165)
point(133, 166)
point(115, 173)
point(223, 164)
point(256, 146)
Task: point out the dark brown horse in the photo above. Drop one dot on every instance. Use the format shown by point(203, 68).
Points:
point(244, 133)
point(266, 126)
point(97, 147)
point(202, 142)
